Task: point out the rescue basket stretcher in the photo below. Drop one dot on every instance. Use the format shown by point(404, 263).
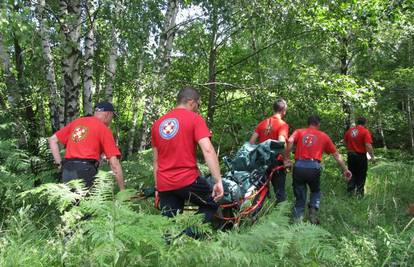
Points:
point(247, 182)
point(250, 204)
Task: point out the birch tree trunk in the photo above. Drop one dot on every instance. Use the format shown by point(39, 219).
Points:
point(410, 123)
point(88, 87)
point(5, 67)
point(111, 69)
point(160, 69)
point(344, 59)
point(381, 131)
point(54, 100)
point(71, 16)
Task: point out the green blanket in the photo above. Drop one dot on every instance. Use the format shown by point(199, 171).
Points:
point(248, 165)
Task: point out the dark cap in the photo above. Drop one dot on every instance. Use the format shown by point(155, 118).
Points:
point(105, 106)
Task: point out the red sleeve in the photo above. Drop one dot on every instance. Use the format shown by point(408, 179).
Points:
point(284, 131)
point(64, 133)
point(294, 137)
point(153, 137)
point(346, 136)
point(258, 128)
point(367, 138)
point(329, 145)
point(108, 143)
point(200, 128)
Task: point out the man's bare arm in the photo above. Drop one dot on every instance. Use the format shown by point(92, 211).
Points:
point(211, 159)
point(117, 170)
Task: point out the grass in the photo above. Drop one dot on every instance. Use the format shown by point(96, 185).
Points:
point(373, 231)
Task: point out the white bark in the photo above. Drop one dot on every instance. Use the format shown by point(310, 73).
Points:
point(167, 38)
point(56, 114)
point(11, 82)
point(111, 69)
point(4, 57)
point(71, 15)
point(88, 86)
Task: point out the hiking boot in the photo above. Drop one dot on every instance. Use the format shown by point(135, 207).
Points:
point(313, 218)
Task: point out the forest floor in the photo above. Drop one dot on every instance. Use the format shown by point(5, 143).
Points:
point(42, 227)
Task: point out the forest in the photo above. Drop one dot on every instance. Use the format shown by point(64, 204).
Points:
point(339, 59)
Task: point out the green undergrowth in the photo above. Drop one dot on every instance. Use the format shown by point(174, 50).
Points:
point(65, 225)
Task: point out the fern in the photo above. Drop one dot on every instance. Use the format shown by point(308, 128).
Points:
point(63, 195)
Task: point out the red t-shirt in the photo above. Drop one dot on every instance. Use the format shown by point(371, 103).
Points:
point(87, 138)
point(356, 138)
point(311, 143)
point(272, 128)
point(175, 136)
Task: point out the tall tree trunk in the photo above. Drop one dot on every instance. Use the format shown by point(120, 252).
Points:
point(410, 123)
point(54, 100)
point(111, 69)
point(5, 67)
point(344, 68)
point(163, 56)
point(71, 16)
point(88, 88)
point(381, 131)
point(41, 129)
point(212, 68)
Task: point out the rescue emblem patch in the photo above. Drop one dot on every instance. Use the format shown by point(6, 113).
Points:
point(354, 133)
point(169, 128)
point(309, 140)
point(79, 133)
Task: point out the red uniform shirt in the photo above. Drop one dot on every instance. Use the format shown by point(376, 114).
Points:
point(87, 138)
point(311, 143)
point(175, 136)
point(356, 138)
point(272, 128)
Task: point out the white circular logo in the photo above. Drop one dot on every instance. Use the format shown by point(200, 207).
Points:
point(169, 128)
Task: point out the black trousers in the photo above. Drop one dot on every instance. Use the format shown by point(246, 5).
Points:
point(306, 173)
point(198, 193)
point(79, 169)
point(278, 182)
point(358, 165)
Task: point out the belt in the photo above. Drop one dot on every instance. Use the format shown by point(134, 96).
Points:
point(356, 153)
point(306, 163)
point(310, 160)
point(93, 162)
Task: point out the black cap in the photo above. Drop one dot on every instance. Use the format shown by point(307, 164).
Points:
point(105, 106)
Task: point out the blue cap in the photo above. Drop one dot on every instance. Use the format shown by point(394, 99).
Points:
point(105, 106)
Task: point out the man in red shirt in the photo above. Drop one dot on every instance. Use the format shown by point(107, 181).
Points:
point(310, 143)
point(175, 137)
point(85, 140)
point(358, 141)
point(274, 128)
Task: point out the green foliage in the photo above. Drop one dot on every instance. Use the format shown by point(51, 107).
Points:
point(138, 170)
point(103, 228)
point(271, 241)
point(320, 56)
